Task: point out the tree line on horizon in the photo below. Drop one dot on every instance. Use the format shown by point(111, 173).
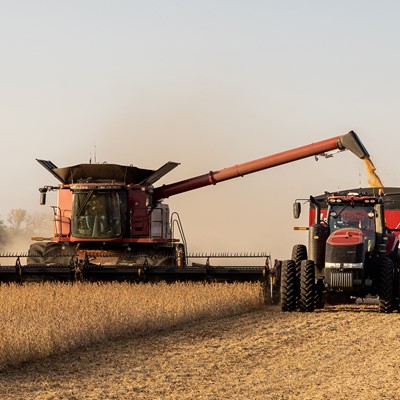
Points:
point(21, 225)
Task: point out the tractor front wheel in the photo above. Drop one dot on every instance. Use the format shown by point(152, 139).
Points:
point(288, 286)
point(307, 286)
point(299, 254)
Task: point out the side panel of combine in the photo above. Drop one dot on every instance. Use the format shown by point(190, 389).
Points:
point(62, 213)
point(160, 222)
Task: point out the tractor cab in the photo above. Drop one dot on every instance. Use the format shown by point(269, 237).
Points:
point(359, 212)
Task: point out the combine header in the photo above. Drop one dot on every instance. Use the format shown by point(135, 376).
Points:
point(110, 222)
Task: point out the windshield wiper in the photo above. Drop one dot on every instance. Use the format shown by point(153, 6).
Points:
point(84, 203)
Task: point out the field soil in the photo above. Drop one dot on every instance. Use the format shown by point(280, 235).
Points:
point(345, 352)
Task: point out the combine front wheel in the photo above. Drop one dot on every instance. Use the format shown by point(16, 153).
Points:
point(36, 253)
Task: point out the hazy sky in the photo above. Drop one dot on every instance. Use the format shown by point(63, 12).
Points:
point(208, 84)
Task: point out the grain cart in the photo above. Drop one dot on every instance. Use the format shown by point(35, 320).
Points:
point(351, 252)
point(110, 222)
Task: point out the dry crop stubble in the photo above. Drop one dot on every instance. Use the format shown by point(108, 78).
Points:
point(38, 320)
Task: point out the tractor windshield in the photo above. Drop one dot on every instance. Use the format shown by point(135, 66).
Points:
point(345, 216)
point(96, 214)
point(350, 216)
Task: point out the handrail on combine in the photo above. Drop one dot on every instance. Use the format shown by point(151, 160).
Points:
point(59, 222)
point(176, 220)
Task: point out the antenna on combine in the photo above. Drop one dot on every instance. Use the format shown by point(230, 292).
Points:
point(90, 155)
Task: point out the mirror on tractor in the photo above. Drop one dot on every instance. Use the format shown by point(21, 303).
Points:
point(296, 209)
point(43, 192)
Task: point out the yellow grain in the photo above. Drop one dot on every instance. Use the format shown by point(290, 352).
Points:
point(373, 178)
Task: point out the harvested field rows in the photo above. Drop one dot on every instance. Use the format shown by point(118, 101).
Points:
point(346, 352)
point(338, 353)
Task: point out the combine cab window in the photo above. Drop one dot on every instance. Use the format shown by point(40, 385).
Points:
point(96, 214)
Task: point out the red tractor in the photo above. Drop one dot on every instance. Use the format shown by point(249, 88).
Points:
point(351, 253)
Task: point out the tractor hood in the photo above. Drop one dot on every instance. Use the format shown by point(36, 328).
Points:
point(345, 248)
point(346, 237)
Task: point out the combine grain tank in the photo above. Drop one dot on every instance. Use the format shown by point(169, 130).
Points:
point(110, 222)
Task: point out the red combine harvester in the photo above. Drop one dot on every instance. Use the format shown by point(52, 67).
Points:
point(111, 223)
point(353, 251)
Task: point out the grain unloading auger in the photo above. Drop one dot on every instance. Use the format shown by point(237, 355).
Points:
point(110, 223)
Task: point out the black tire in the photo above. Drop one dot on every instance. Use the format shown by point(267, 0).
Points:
point(394, 256)
point(386, 285)
point(35, 253)
point(319, 294)
point(299, 253)
point(288, 286)
point(307, 286)
point(58, 254)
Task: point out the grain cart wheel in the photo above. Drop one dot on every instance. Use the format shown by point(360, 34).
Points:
point(307, 286)
point(299, 253)
point(386, 282)
point(288, 286)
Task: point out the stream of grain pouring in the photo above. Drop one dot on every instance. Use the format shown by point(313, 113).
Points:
point(373, 178)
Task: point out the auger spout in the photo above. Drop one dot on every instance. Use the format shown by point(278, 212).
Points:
point(349, 141)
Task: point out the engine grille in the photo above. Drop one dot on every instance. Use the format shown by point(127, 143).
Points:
point(340, 279)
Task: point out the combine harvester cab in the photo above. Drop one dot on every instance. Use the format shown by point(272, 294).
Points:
point(353, 252)
point(110, 222)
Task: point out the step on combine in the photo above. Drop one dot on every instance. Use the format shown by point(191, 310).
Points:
point(110, 222)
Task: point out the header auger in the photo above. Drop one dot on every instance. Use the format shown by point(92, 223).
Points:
point(110, 222)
